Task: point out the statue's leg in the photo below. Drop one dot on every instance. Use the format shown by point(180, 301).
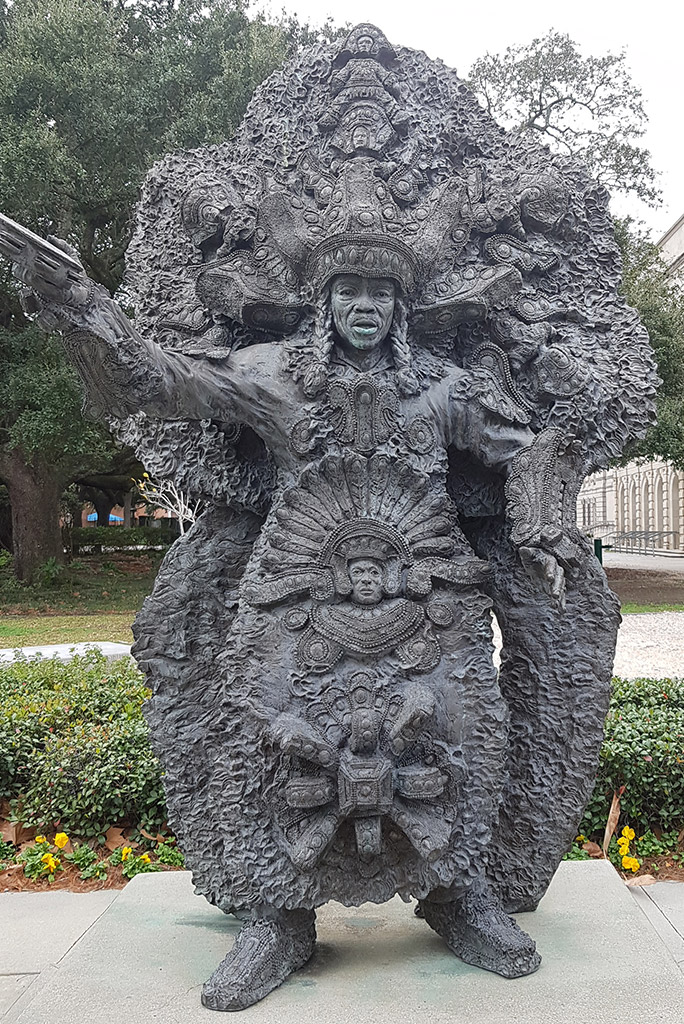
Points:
point(476, 928)
point(270, 946)
point(555, 676)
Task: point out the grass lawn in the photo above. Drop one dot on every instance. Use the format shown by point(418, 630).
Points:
point(31, 630)
point(117, 581)
point(635, 609)
point(94, 598)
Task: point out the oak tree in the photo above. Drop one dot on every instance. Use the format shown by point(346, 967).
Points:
point(583, 106)
point(91, 93)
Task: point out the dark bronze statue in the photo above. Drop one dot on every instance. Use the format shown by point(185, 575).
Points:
point(383, 339)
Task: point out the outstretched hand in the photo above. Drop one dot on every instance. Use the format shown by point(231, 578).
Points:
point(50, 281)
point(49, 270)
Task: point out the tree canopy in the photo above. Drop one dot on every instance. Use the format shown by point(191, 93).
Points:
point(583, 106)
point(659, 297)
point(92, 92)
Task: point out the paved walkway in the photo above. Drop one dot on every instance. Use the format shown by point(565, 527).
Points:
point(663, 905)
point(65, 652)
point(144, 958)
point(37, 931)
point(656, 563)
point(52, 943)
point(650, 645)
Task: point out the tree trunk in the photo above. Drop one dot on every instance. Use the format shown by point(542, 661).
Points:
point(5, 520)
point(34, 493)
point(103, 506)
point(128, 510)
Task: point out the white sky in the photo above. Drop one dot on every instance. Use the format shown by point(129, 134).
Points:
point(652, 34)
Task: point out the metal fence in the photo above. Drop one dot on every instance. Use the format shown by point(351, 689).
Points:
point(635, 541)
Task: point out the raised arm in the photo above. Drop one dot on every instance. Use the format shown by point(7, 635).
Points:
point(122, 371)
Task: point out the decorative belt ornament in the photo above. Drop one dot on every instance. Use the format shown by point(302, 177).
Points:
point(374, 777)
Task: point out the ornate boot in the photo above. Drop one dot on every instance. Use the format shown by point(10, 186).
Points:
point(476, 928)
point(267, 950)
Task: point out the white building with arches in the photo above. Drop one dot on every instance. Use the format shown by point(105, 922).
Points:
point(639, 507)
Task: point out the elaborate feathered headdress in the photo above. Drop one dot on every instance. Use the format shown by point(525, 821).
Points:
point(360, 157)
point(356, 201)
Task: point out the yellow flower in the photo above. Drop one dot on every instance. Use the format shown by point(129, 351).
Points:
point(628, 832)
point(50, 862)
point(126, 852)
point(630, 864)
point(145, 858)
point(580, 838)
point(41, 839)
point(61, 839)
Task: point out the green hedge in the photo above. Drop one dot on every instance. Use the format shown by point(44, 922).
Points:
point(644, 752)
point(74, 749)
point(117, 537)
point(74, 746)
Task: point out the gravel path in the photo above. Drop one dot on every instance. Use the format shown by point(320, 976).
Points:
point(649, 645)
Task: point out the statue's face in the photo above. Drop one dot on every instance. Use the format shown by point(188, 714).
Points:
point(362, 309)
point(366, 580)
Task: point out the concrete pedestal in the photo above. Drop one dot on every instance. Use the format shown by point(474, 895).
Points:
point(145, 959)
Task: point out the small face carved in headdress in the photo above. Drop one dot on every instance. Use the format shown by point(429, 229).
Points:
point(366, 578)
point(362, 309)
point(365, 44)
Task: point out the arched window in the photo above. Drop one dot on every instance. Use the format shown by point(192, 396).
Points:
point(676, 524)
point(620, 508)
point(645, 523)
point(659, 510)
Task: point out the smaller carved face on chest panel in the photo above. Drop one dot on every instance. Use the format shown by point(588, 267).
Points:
point(365, 576)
